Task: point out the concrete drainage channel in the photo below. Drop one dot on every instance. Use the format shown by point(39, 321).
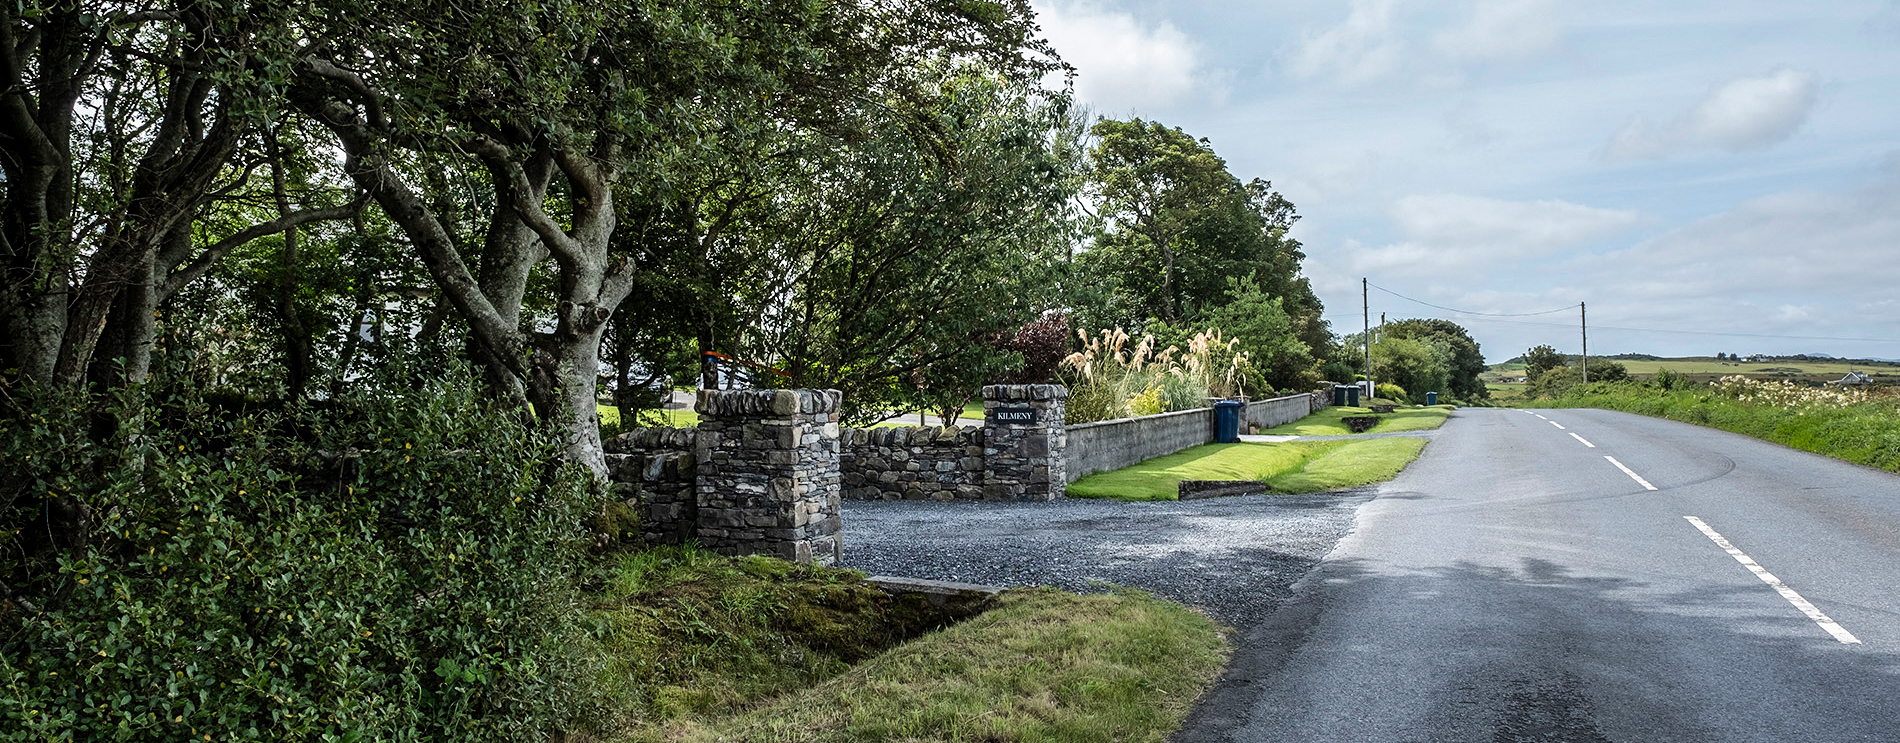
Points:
point(1235, 557)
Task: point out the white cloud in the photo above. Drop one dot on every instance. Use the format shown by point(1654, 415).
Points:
point(1501, 30)
point(1361, 48)
point(1453, 220)
point(1452, 233)
point(1122, 64)
point(1744, 114)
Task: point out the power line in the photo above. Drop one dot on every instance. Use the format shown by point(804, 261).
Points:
point(1705, 332)
point(1468, 312)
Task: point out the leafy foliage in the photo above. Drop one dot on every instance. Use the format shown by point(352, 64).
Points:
point(1541, 359)
point(1466, 361)
point(399, 566)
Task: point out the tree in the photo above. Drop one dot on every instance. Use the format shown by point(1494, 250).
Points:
point(1541, 359)
point(1412, 364)
point(546, 113)
point(912, 261)
point(1466, 360)
point(1175, 227)
point(1265, 333)
point(123, 129)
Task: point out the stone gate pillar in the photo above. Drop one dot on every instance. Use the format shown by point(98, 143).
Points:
point(1024, 436)
point(768, 478)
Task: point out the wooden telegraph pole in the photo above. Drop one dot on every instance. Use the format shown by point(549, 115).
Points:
point(1583, 314)
point(1365, 304)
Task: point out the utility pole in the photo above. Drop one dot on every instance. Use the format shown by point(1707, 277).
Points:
point(1365, 304)
point(1583, 313)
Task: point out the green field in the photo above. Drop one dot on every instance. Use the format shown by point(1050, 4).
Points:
point(1707, 368)
point(1287, 467)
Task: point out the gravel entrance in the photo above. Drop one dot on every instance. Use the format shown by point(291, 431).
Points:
point(1234, 557)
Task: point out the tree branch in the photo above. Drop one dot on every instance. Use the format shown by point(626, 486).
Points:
point(178, 279)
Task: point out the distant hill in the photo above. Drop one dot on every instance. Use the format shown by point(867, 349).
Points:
point(1633, 357)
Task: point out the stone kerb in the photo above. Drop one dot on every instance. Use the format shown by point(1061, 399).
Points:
point(768, 473)
point(1025, 436)
point(912, 463)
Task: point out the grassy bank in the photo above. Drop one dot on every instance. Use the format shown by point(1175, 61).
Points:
point(1326, 422)
point(705, 647)
point(1860, 432)
point(1287, 467)
point(1042, 665)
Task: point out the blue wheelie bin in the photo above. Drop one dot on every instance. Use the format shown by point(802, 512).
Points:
point(1431, 398)
point(1227, 421)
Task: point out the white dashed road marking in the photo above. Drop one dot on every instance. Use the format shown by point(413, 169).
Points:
point(1559, 426)
point(1832, 627)
point(1580, 439)
point(1628, 471)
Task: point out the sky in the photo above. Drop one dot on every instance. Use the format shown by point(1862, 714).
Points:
point(1705, 177)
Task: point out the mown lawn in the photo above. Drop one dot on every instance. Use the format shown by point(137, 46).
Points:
point(1287, 467)
point(1326, 422)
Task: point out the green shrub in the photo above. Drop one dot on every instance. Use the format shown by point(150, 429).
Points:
point(1391, 391)
point(400, 566)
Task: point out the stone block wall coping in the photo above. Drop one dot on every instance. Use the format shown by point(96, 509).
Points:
point(911, 436)
point(641, 439)
point(1025, 392)
point(767, 402)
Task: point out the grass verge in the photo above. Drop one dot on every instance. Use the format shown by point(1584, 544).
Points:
point(1042, 665)
point(1326, 422)
point(1287, 467)
point(690, 633)
point(1865, 433)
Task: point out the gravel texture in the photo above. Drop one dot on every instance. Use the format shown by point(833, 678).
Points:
point(1234, 557)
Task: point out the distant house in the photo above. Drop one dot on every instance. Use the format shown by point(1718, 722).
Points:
point(1854, 378)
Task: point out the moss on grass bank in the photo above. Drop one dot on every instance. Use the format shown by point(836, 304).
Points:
point(1043, 665)
point(692, 633)
point(712, 648)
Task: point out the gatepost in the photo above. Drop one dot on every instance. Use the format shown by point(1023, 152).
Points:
point(1024, 436)
point(767, 481)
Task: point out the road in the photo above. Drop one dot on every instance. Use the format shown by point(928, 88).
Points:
point(1516, 584)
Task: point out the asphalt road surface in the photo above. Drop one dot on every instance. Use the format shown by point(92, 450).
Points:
point(1522, 581)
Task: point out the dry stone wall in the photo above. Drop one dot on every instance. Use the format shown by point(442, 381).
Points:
point(653, 471)
point(912, 463)
point(765, 470)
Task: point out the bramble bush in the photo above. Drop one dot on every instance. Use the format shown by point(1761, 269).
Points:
point(400, 565)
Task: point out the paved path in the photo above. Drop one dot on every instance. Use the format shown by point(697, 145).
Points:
point(1523, 582)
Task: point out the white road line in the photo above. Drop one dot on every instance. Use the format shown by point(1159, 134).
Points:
point(1559, 426)
point(1627, 471)
point(1540, 417)
point(1585, 443)
point(1833, 628)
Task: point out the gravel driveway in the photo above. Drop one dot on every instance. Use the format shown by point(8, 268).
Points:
point(1234, 557)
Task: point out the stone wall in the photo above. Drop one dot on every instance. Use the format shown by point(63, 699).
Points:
point(1269, 413)
point(1113, 444)
point(768, 473)
point(653, 471)
point(912, 463)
